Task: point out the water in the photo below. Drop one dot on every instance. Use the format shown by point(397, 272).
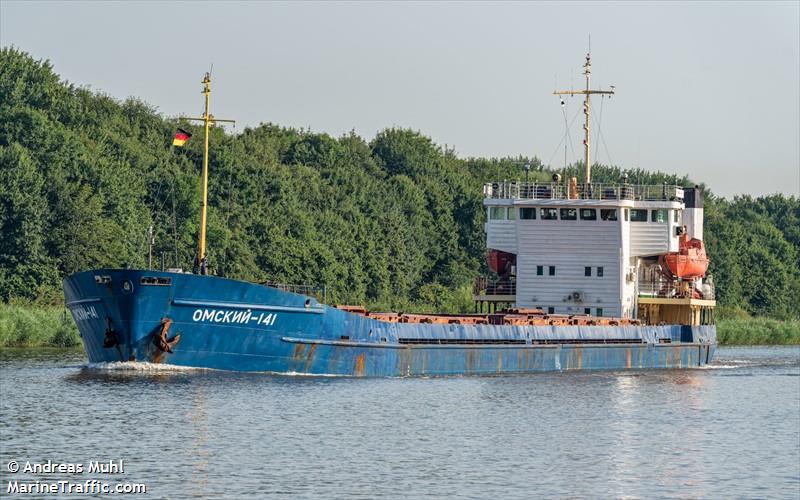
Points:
point(731, 430)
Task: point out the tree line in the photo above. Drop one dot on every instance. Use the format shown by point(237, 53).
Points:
point(393, 222)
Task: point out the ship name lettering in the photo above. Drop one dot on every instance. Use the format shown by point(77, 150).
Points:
point(228, 316)
point(85, 313)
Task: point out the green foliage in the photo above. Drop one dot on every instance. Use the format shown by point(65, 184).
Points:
point(394, 223)
point(36, 326)
point(755, 253)
point(758, 331)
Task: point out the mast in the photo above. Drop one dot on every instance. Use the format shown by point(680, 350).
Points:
point(207, 120)
point(587, 71)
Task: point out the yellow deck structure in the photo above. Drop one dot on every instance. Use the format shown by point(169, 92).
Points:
point(676, 311)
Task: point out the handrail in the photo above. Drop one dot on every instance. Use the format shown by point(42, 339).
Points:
point(319, 292)
point(653, 284)
point(483, 285)
point(594, 191)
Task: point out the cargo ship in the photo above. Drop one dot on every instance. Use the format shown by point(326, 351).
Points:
point(585, 276)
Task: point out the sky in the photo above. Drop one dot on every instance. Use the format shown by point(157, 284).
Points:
point(708, 89)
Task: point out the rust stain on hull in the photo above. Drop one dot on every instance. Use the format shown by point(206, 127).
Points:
point(158, 356)
point(359, 369)
point(470, 361)
point(162, 341)
point(309, 357)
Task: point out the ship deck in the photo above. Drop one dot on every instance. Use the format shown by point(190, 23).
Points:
point(512, 316)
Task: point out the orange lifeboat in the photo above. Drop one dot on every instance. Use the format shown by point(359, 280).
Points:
point(690, 261)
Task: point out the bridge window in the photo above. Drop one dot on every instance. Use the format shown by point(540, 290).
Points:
point(527, 213)
point(659, 215)
point(549, 214)
point(587, 271)
point(569, 214)
point(610, 214)
point(512, 213)
point(638, 215)
point(552, 271)
point(588, 214)
point(497, 213)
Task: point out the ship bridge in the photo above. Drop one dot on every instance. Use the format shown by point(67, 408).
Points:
point(622, 250)
point(569, 248)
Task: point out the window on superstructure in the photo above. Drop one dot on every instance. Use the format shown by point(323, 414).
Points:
point(588, 214)
point(497, 213)
point(552, 271)
point(512, 213)
point(527, 213)
point(587, 311)
point(610, 214)
point(600, 271)
point(659, 215)
point(551, 310)
point(549, 214)
point(569, 214)
point(638, 215)
point(676, 216)
point(539, 270)
point(587, 271)
point(599, 311)
point(627, 214)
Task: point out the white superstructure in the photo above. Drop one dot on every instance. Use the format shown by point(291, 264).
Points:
point(580, 250)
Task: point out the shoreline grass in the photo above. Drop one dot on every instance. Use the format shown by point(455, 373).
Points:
point(37, 326)
point(48, 326)
point(758, 331)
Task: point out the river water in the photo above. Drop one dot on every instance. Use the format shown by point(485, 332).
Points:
point(730, 430)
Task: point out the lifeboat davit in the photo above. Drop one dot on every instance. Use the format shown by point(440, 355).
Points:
point(690, 261)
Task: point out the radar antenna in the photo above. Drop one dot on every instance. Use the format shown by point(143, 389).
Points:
point(587, 71)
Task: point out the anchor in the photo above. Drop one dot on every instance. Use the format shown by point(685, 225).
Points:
point(112, 337)
point(162, 341)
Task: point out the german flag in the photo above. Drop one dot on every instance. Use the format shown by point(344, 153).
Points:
point(181, 137)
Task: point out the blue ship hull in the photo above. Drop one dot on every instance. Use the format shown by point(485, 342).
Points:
point(211, 322)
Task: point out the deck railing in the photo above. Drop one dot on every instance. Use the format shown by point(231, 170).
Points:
point(660, 286)
point(318, 292)
point(560, 191)
point(486, 286)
